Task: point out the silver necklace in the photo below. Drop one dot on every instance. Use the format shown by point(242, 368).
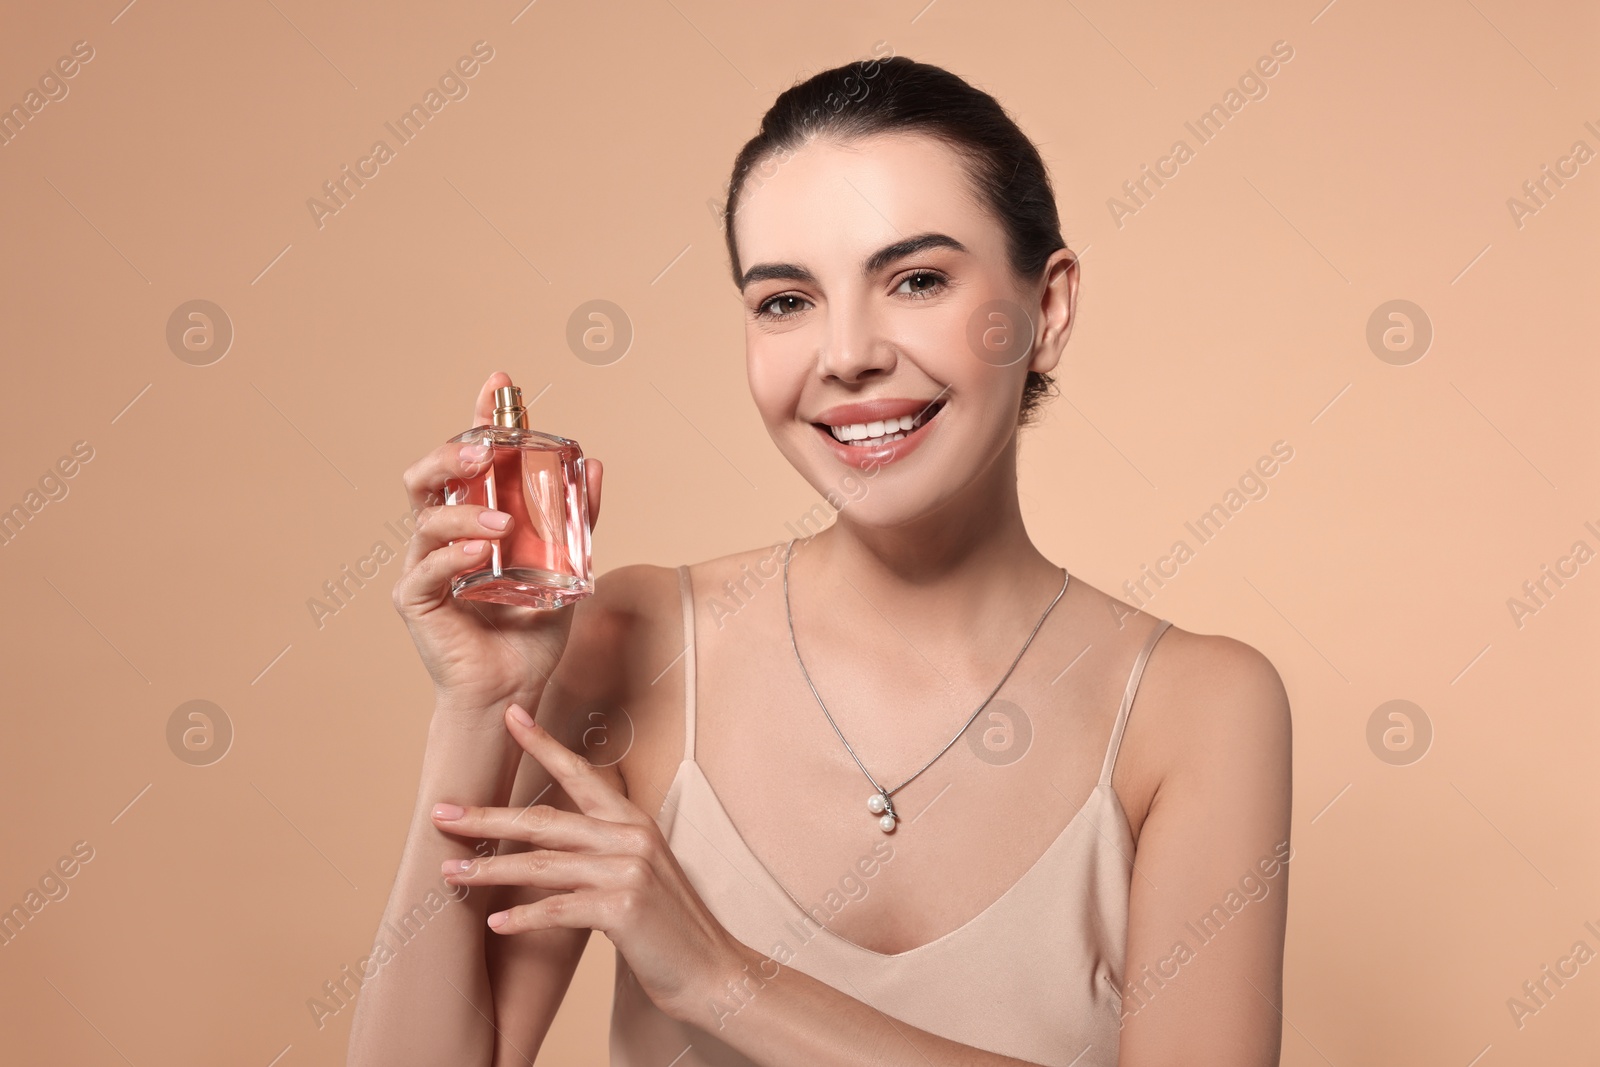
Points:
point(881, 803)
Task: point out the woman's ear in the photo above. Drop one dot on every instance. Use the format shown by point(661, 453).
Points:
point(1058, 310)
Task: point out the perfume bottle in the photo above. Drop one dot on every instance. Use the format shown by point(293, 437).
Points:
point(538, 479)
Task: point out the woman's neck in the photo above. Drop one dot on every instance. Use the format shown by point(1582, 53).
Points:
point(970, 558)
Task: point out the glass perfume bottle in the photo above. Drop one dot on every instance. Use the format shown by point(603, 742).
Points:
point(543, 560)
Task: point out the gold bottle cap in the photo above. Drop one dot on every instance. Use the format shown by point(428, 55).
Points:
point(508, 409)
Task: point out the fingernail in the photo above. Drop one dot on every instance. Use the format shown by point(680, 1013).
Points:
point(472, 548)
point(455, 866)
point(498, 919)
point(474, 453)
point(494, 520)
point(448, 812)
point(521, 716)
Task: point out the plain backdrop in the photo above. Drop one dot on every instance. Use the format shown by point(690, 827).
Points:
point(1227, 311)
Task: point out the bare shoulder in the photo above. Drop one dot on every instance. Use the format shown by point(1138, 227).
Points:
point(1215, 692)
point(1210, 720)
point(1200, 687)
point(621, 639)
point(620, 682)
point(1211, 732)
point(749, 567)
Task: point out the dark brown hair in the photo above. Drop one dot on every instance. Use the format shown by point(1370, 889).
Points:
point(899, 95)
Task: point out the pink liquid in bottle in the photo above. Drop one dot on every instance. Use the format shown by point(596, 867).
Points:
point(543, 560)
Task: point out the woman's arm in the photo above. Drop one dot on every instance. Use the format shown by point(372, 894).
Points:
point(429, 1002)
point(459, 994)
point(1204, 969)
point(462, 994)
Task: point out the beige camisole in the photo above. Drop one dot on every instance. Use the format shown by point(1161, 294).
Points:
point(1036, 975)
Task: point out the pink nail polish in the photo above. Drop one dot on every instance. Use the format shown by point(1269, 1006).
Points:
point(521, 716)
point(448, 812)
point(494, 520)
point(498, 919)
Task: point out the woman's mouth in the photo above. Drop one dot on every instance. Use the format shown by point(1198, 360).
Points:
point(880, 440)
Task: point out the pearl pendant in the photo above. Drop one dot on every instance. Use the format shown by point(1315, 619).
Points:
point(879, 804)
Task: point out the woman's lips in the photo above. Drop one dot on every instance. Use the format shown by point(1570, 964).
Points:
point(863, 456)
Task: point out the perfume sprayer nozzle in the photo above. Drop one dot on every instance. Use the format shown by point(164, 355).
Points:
point(508, 409)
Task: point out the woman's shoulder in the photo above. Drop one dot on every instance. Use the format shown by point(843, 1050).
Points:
point(645, 586)
point(1207, 704)
point(636, 611)
point(1200, 695)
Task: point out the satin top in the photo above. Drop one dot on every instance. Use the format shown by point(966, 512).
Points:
point(1036, 975)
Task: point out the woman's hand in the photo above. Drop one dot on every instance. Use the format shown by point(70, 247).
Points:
point(479, 654)
point(615, 868)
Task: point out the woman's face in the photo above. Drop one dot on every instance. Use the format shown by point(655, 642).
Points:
point(870, 280)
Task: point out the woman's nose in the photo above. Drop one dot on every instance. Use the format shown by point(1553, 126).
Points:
point(853, 348)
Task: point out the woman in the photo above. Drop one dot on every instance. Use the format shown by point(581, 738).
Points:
point(887, 795)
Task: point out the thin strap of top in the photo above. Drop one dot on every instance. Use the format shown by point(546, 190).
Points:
point(687, 593)
point(1127, 700)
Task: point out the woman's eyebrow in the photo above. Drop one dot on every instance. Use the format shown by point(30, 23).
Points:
point(871, 265)
point(907, 247)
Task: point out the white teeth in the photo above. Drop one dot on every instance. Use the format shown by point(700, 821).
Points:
point(879, 431)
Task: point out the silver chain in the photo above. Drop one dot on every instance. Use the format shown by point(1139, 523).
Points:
point(788, 552)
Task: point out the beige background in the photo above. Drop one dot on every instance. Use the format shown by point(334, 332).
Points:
point(1228, 313)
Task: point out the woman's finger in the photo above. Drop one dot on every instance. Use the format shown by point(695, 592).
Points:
point(538, 824)
point(425, 480)
point(552, 869)
point(590, 790)
point(593, 470)
point(483, 408)
point(439, 525)
point(583, 909)
point(548, 827)
point(427, 584)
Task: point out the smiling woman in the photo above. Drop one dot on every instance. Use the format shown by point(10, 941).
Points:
point(1117, 772)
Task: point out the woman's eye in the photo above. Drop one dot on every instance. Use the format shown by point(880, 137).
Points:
point(923, 282)
point(787, 301)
